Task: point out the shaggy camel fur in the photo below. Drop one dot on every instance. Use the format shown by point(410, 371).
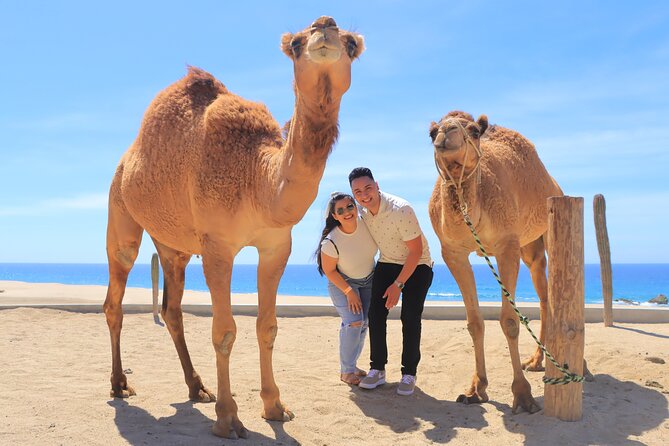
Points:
point(211, 173)
point(505, 187)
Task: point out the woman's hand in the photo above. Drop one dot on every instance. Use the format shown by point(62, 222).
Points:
point(354, 302)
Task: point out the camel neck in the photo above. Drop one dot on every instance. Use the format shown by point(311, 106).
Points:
point(300, 164)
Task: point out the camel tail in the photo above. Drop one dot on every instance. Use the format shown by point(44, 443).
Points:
point(165, 295)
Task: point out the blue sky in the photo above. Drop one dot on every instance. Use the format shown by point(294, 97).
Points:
point(587, 82)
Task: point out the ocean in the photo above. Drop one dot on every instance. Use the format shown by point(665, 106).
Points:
point(636, 282)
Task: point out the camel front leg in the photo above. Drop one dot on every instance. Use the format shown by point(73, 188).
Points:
point(273, 251)
point(508, 261)
point(458, 264)
point(217, 261)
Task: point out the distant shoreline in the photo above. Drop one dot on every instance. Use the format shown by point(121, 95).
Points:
point(635, 282)
point(89, 299)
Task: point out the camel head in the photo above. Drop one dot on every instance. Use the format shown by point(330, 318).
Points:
point(322, 56)
point(456, 140)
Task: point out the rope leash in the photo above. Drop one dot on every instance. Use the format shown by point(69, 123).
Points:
point(568, 376)
point(450, 182)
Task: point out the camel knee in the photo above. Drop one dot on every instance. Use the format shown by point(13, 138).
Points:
point(475, 328)
point(267, 335)
point(224, 345)
point(510, 327)
point(126, 255)
point(173, 317)
point(355, 324)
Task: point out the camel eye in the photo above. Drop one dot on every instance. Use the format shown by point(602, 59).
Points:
point(351, 47)
point(296, 47)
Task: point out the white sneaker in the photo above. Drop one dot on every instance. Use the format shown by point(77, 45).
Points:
point(373, 379)
point(407, 384)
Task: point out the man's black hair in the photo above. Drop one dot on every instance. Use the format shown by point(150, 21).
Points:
point(360, 172)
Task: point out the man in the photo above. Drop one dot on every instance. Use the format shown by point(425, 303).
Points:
point(404, 267)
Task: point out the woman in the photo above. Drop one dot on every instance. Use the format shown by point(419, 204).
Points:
point(346, 257)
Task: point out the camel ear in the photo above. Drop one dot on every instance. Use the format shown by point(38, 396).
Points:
point(434, 129)
point(483, 123)
point(292, 45)
point(354, 44)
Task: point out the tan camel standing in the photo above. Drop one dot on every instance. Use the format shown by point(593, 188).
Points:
point(505, 186)
point(211, 173)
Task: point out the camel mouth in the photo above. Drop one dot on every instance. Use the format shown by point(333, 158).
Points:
point(443, 148)
point(324, 52)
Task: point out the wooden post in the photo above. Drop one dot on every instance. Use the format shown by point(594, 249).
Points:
point(565, 334)
point(599, 206)
point(154, 285)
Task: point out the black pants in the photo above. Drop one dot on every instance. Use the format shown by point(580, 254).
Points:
point(413, 300)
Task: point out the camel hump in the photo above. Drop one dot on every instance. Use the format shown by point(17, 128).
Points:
point(202, 86)
point(509, 137)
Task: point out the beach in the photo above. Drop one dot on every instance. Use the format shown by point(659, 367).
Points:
point(56, 363)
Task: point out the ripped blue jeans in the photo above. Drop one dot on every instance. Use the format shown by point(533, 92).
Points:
point(353, 330)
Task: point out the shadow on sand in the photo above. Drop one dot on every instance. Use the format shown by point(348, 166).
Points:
point(606, 400)
point(186, 427)
point(642, 332)
point(419, 412)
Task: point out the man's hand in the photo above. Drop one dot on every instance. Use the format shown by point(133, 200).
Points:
point(392, 296)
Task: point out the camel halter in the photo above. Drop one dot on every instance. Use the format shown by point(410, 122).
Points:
point(567, 376)
point(450, 181)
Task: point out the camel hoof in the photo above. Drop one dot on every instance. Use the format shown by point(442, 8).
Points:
point(278, 414)
point(122, 393)
point(203, 395)
point(471, 399)
point(528, 404)
point(532, 367)
point(230, 427)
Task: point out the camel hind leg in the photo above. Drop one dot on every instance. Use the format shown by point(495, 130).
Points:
point(174, 263)
point(124, 237)
point(534, 257)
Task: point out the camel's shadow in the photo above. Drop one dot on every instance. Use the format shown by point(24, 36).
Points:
point(414, 412)
point(604, 421)
point(186, 427)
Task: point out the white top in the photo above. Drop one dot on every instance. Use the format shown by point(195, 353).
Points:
point(394, 224)
point(356, 253)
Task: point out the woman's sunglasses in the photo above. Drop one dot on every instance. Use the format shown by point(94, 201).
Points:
point(349, 207)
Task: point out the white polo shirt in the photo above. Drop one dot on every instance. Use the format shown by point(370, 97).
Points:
point(354, 252)
point(394, 224)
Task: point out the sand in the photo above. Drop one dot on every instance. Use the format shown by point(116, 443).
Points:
point(55, 367)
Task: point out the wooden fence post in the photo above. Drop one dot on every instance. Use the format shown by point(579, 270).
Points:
point(599, 207)
point(565, 335)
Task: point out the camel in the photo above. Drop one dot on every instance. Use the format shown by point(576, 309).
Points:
point(498, 175)
point(211, 173)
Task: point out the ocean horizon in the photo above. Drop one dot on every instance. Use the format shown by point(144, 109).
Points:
point(635, 282)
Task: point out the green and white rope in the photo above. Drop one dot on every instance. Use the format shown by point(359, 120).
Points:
point(568, 376)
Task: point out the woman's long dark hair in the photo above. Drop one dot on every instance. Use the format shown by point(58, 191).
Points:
point(330, 224)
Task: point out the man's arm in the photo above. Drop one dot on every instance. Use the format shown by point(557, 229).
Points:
point(392, 294)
